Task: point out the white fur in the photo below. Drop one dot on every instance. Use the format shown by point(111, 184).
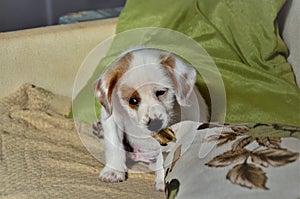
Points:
point(146, 75)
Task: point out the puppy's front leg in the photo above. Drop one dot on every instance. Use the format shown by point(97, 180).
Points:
point(115, 168)
point(160, 173)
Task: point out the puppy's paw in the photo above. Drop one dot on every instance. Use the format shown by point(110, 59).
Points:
point(160, 186)
point(111, 175)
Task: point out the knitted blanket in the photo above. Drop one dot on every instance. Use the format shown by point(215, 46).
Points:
point(42, 156)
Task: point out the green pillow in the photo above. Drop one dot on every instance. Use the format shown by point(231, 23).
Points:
point(243, 40)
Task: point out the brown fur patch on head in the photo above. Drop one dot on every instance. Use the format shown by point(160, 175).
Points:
point(128, 93)
point(112, 76)
point(167, 60)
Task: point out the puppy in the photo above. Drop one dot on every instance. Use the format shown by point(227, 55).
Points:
point(144, 91)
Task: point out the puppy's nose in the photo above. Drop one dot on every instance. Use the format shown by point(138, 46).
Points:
point(155, 125)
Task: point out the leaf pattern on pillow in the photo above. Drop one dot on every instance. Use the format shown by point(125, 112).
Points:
point(267, 153)
point(228, 158)
point(273, 157)
point(172, 188)
point(270, 142)
point(248, 175)
point(177, 154)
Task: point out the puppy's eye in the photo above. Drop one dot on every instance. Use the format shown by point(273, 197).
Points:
point(160, 93)
point(133, 101)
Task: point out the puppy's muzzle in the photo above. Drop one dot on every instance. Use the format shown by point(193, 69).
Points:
point(155, 124)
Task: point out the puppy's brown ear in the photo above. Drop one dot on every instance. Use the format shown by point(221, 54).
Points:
point(102, 96)
point(105, 85)
point(182, 74)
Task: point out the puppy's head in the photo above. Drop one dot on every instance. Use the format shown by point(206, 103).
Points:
point(146, 82)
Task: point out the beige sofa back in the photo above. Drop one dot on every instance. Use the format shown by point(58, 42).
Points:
point(49, 57)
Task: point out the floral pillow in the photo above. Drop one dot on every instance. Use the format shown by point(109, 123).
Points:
point(234, 161)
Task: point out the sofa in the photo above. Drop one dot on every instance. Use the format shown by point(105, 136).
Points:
point(43, 153)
